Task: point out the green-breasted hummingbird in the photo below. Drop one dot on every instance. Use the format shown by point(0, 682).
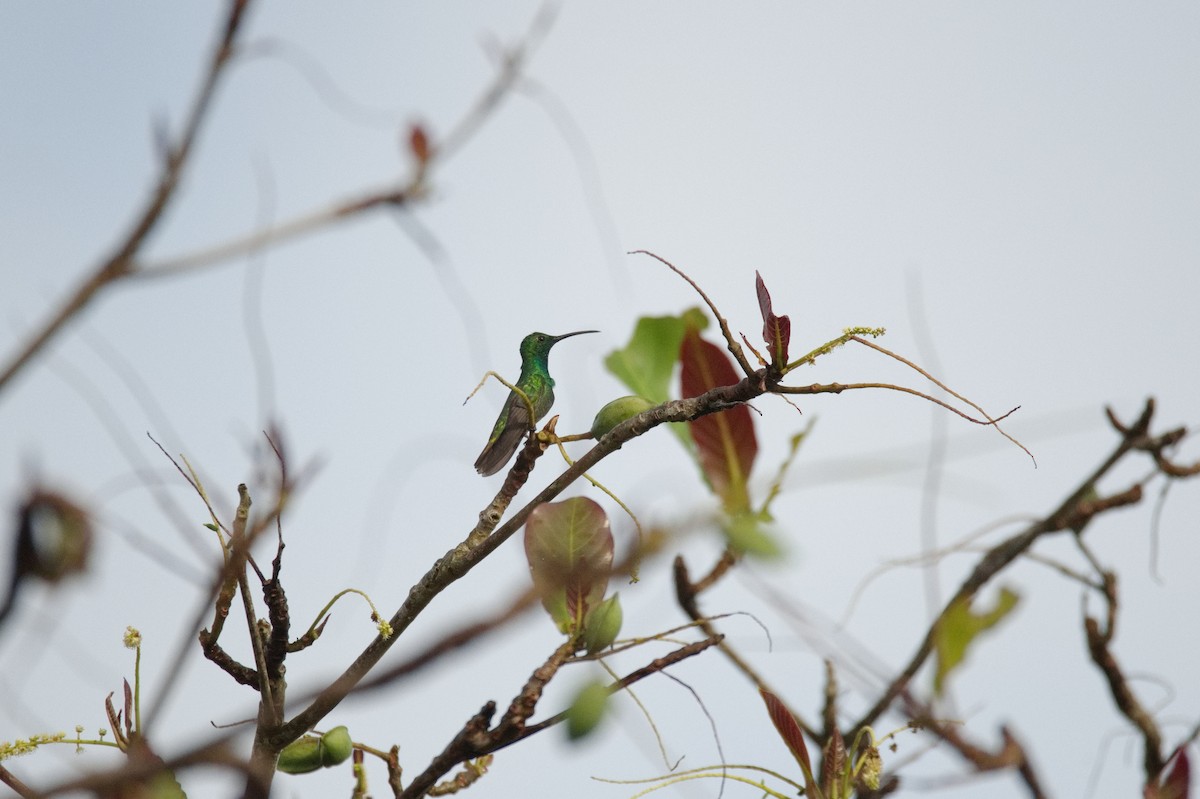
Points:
point(514, 422)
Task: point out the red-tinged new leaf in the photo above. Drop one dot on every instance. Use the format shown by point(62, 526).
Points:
point(418, 143)
point(128, 708)
point(569, 546)
point(725, 442)
point(114, 721)
point(833, 763)
point(792, 735)
point(777, 330)
point(1176, 784)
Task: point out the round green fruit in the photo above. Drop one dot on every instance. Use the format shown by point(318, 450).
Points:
point(618, 411)
point(586, 711)
point(602, 625)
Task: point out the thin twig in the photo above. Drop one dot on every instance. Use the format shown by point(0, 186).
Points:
point(735, 349)
point(653, 667)
point(121, 263)
point(838, 388)
point(390, 197)
point(944, 387)
point(1098, 640)
point(396, 195)
point(1004, 553)
point(687, 596)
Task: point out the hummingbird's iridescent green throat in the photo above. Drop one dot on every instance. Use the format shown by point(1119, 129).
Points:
point(514, 422)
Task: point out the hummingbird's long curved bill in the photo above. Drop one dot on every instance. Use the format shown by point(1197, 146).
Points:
point(568, 335)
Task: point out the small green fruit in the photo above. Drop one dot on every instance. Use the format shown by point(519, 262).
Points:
point(311, 753)
point(618, 411)
point(586, 711)
point(301, 756)
point(603, 625)
point(336, 747)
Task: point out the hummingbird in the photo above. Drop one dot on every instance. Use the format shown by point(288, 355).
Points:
point(514, 422)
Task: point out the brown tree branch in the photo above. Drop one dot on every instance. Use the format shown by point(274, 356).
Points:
point(1067, 514)
point(653, 667)
point(1098, 641)
point(20, 788)
point(475, 740)
point(1010, 755)
point(687, 595)
point(121, 263)
point(459, 561)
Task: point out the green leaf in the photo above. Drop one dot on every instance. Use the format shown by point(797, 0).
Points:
point(694, 319)
point(726, 444)
point(647, 362)
point(569, 547)
point(748, 534)
point(959, 627)
point(777, 484)
point(164, 785)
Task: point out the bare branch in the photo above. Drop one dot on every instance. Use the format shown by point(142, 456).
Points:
point(1068, 514)
point(1098, 640)
point(121, 263)
point(735, 349)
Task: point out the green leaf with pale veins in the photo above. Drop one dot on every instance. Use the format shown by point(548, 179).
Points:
point(959, 627)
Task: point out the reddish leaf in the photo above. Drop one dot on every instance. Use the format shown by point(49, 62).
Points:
point(418, 143)
point(777, 330)
point(833, 762)
point(1175, 785)
point(792, 735)
point(114, 722)
point(725, 441)
point(128, 709)
point(569, 547)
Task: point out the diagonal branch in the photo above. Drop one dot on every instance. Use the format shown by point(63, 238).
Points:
point(1066, 516)
point(731, 344)
point(121, 263)
point(456, 563)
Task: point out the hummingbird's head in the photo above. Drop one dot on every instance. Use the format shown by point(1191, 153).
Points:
point(537, 345)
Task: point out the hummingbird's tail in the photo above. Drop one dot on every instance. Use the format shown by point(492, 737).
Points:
point(499, 451)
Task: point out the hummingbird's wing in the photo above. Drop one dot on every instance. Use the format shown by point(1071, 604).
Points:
point(510, 429)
